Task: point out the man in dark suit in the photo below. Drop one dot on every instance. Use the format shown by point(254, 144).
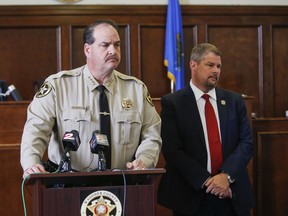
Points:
point(190, 186)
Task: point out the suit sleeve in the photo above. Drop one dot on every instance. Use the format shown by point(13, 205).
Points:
point(238, 145)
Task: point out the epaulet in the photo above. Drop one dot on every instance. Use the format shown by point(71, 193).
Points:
point(127, 77)
point(75, 72)
point(134, 79)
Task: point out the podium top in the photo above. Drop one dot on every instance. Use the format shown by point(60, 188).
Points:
point(96, 177)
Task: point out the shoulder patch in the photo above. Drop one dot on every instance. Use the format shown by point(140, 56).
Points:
point(44, 90)
point(149, 99)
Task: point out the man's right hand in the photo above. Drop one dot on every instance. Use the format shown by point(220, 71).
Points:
point(36, 168)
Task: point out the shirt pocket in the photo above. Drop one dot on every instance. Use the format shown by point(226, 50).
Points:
point(75, 119)
point(128, 127)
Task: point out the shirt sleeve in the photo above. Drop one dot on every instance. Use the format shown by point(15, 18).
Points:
point(38, 127)
point(151, 142)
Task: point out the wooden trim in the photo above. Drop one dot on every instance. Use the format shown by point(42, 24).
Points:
point(141, 10)
point(10, 146)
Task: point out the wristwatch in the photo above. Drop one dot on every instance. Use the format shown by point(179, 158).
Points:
point(230, 179)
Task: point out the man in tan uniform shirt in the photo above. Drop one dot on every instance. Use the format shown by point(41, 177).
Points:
point(68, 101)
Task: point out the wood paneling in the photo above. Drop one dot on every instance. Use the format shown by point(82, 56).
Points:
point(272, 173)
point(151, 58)
point(11, 180)
point(279, 68)
point(28, 53)
point(37, 41)
point(270, 166)
point(235, 40)
point(12, 120)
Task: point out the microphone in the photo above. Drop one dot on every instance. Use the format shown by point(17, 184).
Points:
point(3, 90)
point(14, 92)
point(98, 144)
point(71, 142)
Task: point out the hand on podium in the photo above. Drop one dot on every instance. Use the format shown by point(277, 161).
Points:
point(36, 168)
point(136, 165)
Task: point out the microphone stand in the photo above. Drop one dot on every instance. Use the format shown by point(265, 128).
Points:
point(101, 160)
point(65, 163)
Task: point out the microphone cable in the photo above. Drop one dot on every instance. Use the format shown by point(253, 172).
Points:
point(125, 190)
point(23, 195)
point(124, 196)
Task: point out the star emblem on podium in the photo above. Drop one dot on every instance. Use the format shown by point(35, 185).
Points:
point(101, 207)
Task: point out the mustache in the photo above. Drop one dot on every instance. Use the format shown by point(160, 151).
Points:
point(216, 77)
point(112, 58)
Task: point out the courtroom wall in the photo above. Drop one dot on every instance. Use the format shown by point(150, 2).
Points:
point(36, 41)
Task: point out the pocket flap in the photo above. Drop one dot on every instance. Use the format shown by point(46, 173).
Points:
point(76, 115)
point(128, 116)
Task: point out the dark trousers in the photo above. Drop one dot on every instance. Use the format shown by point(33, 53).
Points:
point(212, 206)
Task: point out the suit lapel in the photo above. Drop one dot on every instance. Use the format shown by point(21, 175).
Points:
point(191, 106)
point(222, 112)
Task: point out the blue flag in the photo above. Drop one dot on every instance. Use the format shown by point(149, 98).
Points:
point(174, 54)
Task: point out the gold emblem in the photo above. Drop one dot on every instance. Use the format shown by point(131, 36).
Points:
point(149, 99)
point(127, 104)
point(44, 90)
point(101, 203)
point(69, 1)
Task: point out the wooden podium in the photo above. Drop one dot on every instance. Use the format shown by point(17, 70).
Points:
point(69, 193)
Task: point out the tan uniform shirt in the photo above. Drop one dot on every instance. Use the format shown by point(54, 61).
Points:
point(68, 101)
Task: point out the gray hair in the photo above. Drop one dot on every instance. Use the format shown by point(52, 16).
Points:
point(201, 50)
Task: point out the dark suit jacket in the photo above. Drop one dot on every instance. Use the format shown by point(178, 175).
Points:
point(185, 153)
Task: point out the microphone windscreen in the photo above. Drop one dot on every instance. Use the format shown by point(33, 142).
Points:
point(97, 141)
point(14, 92)
point(71, 140)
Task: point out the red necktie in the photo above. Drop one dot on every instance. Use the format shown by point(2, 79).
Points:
point(213, 136)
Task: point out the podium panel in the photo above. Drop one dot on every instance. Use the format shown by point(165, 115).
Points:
point(139, 201)
point(113, 192)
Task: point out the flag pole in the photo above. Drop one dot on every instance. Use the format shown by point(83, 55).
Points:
point(172, 86)
point(173, 50)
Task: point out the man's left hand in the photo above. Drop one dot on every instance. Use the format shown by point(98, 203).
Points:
point(136, 165)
